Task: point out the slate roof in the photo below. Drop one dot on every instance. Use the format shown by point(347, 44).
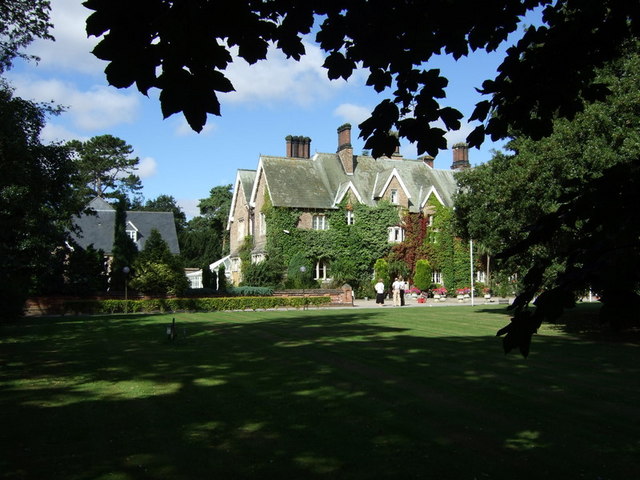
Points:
point(98, 229)
point(319, 182)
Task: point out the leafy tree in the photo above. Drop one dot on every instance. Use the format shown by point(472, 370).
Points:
point(268, 273)
point(166, 203)
point(299, 272)
point(217, 204)
point(124, 250)
point(157, 270)
point(22, 22)
point(107, 167)
point(542, 75)
point(207, 276)
point(381, 270)
point(222, 279)
point(422, 276)
point(155, 278)
point(561, 185)
point(204, 240)
point(36, 200)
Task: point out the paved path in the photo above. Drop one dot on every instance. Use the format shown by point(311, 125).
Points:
point(430, 302)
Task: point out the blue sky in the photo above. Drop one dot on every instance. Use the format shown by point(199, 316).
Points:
point(273, 99)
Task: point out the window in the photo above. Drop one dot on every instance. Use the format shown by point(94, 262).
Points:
point(132, 231)
point(321, 270)
point(319, 222)
point(394, 196)
point(241, 229)
point(481, 276)
point(350, 217)
point(396, 234)
point(235, 264)
point(429, 220)
point(436, 277)
point(257, 258)
point(263, 224)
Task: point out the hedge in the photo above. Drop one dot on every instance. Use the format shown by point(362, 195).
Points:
point(187, 304)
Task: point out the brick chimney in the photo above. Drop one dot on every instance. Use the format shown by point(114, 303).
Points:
point(396, 153)
point(345, 149)
point(298, 147)
point(289, 139)
point(427, 159)
point(460, 156)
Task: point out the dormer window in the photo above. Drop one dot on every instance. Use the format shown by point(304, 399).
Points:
point(350, 217)
point(132, 232)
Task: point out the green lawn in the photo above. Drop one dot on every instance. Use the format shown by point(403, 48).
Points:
point(371, 393)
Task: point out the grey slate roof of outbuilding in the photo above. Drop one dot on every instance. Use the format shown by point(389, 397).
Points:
point(98, 229)
point(316, 182)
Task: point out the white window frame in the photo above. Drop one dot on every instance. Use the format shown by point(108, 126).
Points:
point(257, 257)
point(351, 219)
point(319, 222)
point(263, 224)
point(133, 235)
point(436, 277)
point(321, 270)
point(481, 276)
point(235, 264)
point(241, 229)
point(394, 197)
point(396, 234)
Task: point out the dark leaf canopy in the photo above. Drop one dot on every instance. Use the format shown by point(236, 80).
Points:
point(183, 49)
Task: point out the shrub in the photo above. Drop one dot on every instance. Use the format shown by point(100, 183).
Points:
point(422, 275)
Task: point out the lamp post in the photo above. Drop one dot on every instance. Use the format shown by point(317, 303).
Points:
point(126, 271)
point(471, 267)
point(304, 299)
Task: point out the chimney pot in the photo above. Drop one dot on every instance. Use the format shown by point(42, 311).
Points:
point(460, 156)
point(427, 159)
point(345, 149)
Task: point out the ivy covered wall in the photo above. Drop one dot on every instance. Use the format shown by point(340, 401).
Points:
point(350, 250)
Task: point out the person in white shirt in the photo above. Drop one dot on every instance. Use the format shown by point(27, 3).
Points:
point(396, 286)
point(379, 288)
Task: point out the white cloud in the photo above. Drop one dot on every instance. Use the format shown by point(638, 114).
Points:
point(71, 50)
point(354, 114)
point(457, 136)
point(97, 108)
point(278, 78)
point(147, 167)
point(189, 207)
point(56, 133)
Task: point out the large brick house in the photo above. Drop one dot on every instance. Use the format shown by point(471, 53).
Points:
point(317, 184)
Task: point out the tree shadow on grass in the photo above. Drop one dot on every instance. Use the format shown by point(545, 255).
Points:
point(321, 394)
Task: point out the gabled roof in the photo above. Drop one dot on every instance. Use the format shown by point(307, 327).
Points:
point(296, 182)
point(98, 230)
point(393, 174)
point(320, 182)
point(244, 183)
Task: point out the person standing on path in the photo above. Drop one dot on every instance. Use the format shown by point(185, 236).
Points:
point(403, 286)
point(395, 286)
point(379, 288)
